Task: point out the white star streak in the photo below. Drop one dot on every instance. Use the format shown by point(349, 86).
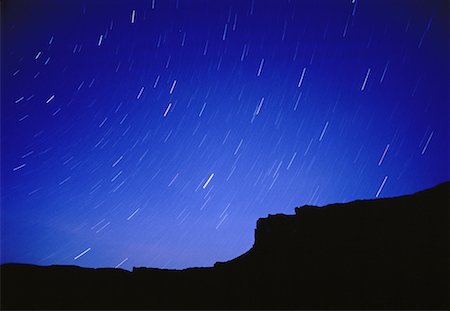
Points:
point(426, 145)
point(117, 161)
point(207, 182)
point(84, 252)
point(323, 131)
point(100, 40)
point(173, 86)
point(301, 77)
point(292, 160)
point(224, 32)
point(260, 67)
point(258, 109)
point(134, 213)
point(381, 187)
point(121, 263)
point(365, 80)
point(19, 167)
point(384, 154)
point(140, 93)
point(224, 217)
point(50, 99)
point(167, 109)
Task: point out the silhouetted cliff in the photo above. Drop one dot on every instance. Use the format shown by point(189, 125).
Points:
point(373, 254)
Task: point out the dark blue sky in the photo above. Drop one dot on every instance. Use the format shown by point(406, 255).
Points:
point(156, 133)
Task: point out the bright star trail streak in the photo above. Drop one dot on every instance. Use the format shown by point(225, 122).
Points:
point(133, 15)
point(167, 109)
point(323, 131)
point(426, 145)
point(260, 67)
point(140, 93)
point(121, 263)
point(259, 105)
point(381, 187)
point(156, 133)
point(207, 182)
point(365, 80)
point(134, 213)
point(50, 99)
point(384, 154)
point(82, 253)
point(173, 86)
point(301, 77)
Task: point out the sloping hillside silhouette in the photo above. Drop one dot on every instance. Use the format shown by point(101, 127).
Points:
point(372, 254)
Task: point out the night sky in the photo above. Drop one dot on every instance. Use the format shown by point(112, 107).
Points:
point(155, 133)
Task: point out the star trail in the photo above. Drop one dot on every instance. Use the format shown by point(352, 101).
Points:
point(156, 133)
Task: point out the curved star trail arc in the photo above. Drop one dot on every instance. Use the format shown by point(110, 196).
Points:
point(156, 133)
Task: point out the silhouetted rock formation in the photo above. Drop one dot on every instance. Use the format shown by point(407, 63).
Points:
point(375, 254)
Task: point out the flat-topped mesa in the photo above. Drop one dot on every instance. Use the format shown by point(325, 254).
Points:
point(273, 229)
point(300, 208)
point(280, 227)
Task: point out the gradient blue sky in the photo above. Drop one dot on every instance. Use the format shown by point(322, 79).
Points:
point(156, 133)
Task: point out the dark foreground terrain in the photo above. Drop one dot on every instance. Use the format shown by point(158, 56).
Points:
point(375, 254)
